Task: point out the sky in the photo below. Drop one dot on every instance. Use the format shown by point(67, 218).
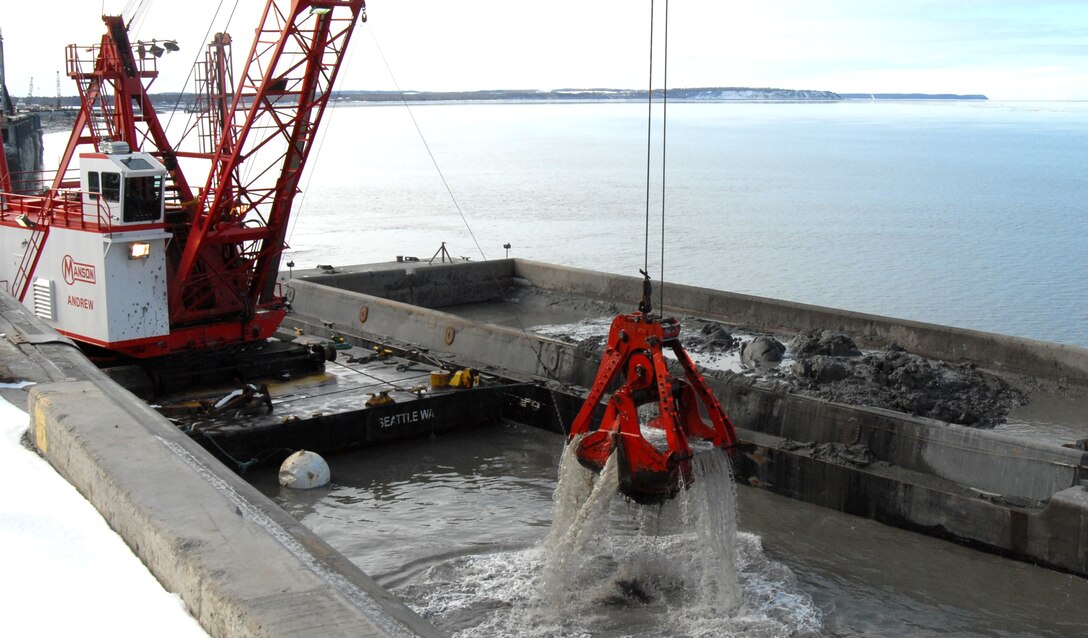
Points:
point(66, 573)
point(1003, 49)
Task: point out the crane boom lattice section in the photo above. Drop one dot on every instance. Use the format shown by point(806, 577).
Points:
point(231, 254)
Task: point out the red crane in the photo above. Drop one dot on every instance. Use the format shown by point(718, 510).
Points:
point(120, 251)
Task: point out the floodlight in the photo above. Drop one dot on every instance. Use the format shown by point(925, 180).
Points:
point(139, 250)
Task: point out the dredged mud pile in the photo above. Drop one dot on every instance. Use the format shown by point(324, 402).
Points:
point(828, 364)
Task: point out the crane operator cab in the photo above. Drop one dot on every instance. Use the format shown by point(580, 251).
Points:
point(102, 276)
point(120, 187)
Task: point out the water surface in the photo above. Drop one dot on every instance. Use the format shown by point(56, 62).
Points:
point(962, 213)
point(458, 523)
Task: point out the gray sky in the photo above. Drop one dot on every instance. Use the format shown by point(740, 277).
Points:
point(1004, 49)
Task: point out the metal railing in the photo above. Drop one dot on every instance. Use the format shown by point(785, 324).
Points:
point(58, 209)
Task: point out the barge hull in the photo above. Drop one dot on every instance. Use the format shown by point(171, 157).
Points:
point(244, 442)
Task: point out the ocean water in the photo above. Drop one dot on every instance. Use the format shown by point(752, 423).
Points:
point(964, 213)
point(973, 214)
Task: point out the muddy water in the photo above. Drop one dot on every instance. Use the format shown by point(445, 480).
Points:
point(459, 526)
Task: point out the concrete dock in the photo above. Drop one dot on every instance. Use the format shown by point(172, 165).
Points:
point(242, 565)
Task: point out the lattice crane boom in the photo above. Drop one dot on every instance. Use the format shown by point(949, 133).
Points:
point(231, 255)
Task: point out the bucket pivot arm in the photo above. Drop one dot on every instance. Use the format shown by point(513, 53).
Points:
point(635, 357)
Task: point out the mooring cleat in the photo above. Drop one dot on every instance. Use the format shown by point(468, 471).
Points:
point(635, 354)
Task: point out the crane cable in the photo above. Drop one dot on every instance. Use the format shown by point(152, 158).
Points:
point(192, 69)
point(649, 134)
point(426, 146)
point(537, 350)
point(664, 147)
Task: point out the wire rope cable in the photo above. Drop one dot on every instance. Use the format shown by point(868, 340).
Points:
point(426, 146)
point(649, 136)
point(649, 148)
point(664, 148)
point(196, 60)
point(535, 345)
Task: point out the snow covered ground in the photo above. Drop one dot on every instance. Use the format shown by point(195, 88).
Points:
point(65, 572)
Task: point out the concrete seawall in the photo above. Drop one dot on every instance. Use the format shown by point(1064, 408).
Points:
point(1008, 495)
point(242, 565)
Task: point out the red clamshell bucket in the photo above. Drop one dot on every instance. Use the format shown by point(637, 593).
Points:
point(635, 357)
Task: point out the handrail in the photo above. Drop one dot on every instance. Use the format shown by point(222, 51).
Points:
point(67, 211)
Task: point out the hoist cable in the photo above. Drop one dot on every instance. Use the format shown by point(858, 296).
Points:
point(664, 147)
point(139, 13)
point(649, 132)
point(192, 68)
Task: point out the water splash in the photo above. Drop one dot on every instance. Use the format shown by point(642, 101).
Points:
point(609, 549)
point(609, 567)
point(579, 503)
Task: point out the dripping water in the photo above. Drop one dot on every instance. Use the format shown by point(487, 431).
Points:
point(610, 567)
point(606, 549)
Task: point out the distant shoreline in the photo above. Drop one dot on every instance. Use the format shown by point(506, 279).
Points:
point(187, 101)
point(912, 96)
point(700, 94)
point(697, 94)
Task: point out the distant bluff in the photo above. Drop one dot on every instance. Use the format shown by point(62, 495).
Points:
point(747, 94)
point(697, 94)
point(561, 95)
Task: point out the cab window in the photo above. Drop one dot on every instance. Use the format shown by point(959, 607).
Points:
point(92, 185)
point(143, 198)
point(111, 187)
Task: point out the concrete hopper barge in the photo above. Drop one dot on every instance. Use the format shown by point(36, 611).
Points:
point(1023, 497)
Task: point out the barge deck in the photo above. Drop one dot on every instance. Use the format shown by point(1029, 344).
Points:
point(364, 396)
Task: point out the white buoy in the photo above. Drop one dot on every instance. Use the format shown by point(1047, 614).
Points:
point(304, 470)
